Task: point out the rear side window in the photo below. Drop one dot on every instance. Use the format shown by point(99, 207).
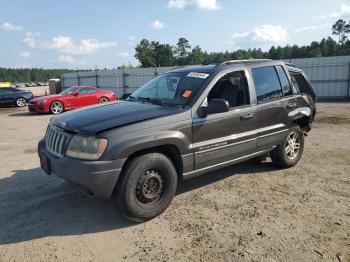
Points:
point(267, 84)
point(286, 88)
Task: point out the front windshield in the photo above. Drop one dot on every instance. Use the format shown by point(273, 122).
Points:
point(171, 88)
point(68, 90)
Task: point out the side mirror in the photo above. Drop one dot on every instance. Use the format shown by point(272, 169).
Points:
point(75, 93)
point(215, 106)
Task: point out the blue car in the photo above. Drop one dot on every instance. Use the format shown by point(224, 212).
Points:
point(13, 96)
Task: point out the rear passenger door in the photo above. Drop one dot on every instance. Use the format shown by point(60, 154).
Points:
point(273, 104)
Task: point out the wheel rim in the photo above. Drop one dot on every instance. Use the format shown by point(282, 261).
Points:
point(292, 146)
point(103, 100)
point(56, 107)
point(21, 102)
point(150, 187)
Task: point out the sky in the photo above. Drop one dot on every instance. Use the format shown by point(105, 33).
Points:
point(101, 34)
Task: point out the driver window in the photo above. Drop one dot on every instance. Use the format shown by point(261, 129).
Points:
point(232, 87)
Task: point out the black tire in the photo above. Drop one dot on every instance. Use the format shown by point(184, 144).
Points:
point(56, 107)
point(103, 100)
point(134, 198)
point(21, 102)
point(279, 155)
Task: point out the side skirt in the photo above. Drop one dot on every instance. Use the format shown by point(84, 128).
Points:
point(204, 170)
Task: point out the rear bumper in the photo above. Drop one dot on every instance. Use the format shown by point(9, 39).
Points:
point(95, 177)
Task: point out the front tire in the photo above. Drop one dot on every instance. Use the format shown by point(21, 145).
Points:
point(289, 152)
point(56, 107)
point(147, 187)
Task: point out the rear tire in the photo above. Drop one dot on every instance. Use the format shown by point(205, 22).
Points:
point(103, 100)
point(21, 102)
point(289, 152)
point(147, 186)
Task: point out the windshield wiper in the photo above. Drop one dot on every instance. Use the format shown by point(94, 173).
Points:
point(151, 100)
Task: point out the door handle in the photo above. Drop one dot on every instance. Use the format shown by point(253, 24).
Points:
point(247, 116)
point(291, 105)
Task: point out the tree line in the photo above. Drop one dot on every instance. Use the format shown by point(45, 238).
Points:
point(24, 75)
point(155, 54)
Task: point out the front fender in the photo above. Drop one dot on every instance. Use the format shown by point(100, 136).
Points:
point(126, 146)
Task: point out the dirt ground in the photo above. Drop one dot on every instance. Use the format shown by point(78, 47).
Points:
point(247, 212)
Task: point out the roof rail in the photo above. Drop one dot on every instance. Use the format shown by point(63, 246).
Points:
point(228, 62)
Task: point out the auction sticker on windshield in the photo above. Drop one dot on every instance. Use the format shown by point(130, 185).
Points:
point(198, 75)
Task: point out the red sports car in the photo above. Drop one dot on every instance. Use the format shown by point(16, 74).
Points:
point(71, 98)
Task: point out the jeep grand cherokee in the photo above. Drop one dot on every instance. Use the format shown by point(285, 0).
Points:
point(181, 124)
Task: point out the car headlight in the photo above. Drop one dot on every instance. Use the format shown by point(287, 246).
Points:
point(86, 147)
point(42, 102)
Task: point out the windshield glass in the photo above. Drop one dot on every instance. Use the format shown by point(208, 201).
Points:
point(68, 90)
point(171, 88)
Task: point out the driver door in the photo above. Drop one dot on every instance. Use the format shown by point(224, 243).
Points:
point(222, 137)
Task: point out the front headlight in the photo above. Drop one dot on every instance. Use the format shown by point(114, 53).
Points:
point(86, 147)
point(42, 102)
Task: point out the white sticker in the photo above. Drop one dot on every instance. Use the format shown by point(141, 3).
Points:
point(198, 75)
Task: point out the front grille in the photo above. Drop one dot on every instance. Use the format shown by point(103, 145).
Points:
point(56, 141)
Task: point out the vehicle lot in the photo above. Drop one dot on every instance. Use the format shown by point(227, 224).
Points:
point(247, 212)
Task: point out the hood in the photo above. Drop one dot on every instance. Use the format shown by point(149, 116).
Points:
point(94, 119)
point(45, 97)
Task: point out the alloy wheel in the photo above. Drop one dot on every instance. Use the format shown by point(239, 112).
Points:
point(103, 100)
point(21, 102)
point(56, 107)
point(292, 145)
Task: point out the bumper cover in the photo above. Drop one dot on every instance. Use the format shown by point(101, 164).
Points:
point(96, 177)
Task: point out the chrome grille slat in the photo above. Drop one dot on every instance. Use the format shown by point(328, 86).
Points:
point(56, 141)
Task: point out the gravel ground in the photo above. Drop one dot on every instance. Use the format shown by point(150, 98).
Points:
point(247, 212)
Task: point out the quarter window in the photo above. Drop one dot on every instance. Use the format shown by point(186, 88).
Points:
point(267, 84)
point(287, 91)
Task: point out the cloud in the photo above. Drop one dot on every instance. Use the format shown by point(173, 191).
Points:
point(65, 44)
point(11, 27)
point(122, 54)
point(157, 24)
point(261, 34)
point(312, 28)
point(343, 11)
point(24, 54)
point(31, 39)
point(66, 59)
point(132, 40)
point(209, 5)
point(240, 35)
point(269, 34)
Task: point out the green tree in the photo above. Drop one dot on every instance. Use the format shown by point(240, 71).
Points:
point(341, 28)
point(145, 54)
point(182, 50)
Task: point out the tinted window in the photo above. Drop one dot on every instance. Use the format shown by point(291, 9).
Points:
point(231, 87)
point(267, 84)
point(6, 90)
point(286, 88)
point(86, 90)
